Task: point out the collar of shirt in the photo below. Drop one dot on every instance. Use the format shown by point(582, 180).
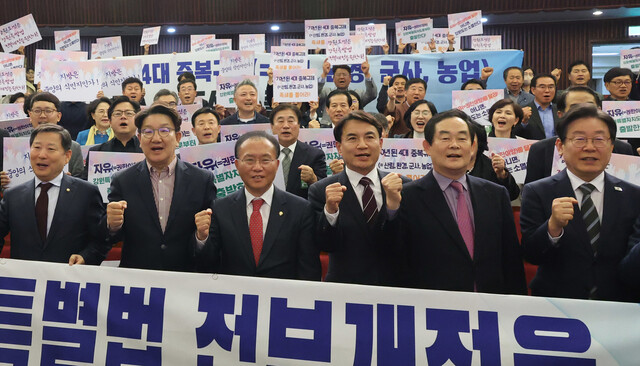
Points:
point(171, 168)
point(444, 182)
point(132, 141)
point(245, 120)
point(267, 196)
point(291, 147)
point(540, 107)
point(576, 182)
point(515, 95)
point(354, 177)
point(57, 181)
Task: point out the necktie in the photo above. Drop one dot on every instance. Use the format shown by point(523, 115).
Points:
point(255, 229)
point(369, 204)
point(463, 217)
point(286, 164)
point(42, 207)
point(590, 215)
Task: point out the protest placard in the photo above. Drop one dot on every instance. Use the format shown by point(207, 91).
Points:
point(515, 153)
point(50, 55)
point(12, 111)
point(11, 61)
point(348, 50)
point(20, 32)
point(627, 117)
point(412, 31)
point(150, 36)
point(109, 47)
point(104, 164)
point(323, 139)
point(374, 34)
point(486, 43)
point(219, 45)
point(13, 81)
point(405, 157)
point(77, 81)
point(630, 59)
point(252, 42)
point(439, 35)
point(317, 32)
point(200, 42)
point(114, 72)
point(476, 103)
point(17, 127)
point(465, 24)
point(16, 160)
point(219, 158)
point(233, 132)
point(237, 63)
point(293, 43)
point(67, 40)
point(299, 85)
point(288, 58)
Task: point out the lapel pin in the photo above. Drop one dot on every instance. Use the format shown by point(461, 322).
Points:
point(281, 213)
point(618, 189)
point(68, 190)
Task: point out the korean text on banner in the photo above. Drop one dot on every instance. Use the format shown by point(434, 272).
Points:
point(374, 34)
point(626, 115)
point(412, 31)
point(299, 85)
point(67, 40)
point(316, 32)
point(150, 36)
point(630, 59)
point(103, 165)
point(465, 24)
point(476, 103)
point(20, 32)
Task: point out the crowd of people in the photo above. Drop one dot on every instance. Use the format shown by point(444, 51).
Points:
point(452, 229)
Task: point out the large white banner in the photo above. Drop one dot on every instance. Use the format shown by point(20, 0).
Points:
point(61, 314)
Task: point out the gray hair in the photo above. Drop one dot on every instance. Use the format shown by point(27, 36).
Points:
point(163, 92)
point(243, 83)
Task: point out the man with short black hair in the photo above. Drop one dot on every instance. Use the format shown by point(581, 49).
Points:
point(64, 225)
point(342, 81)
point(514, 79)
point(168, 97)
point(576, 224)
point(188, 93)
point(619, 82)
point(133, 89)
point(543, 114)
point(261, 230)
point(160, 207)
point(206, 125)
point(397, 83)
point(456, 231)
point(415, 90)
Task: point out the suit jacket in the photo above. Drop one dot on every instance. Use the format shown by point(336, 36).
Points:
point(483, 168)
point(74, 229)
point(570, 268)
point(305, 154)
point(534, 129)
point(144, 244)
point(358, 253)
point(524, 98)
point(288, 249)
point(235, 120)
point(435, 254)
point(540, 160)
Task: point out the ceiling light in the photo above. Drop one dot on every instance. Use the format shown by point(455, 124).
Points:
point(597, 12)
point(484, 20)
point(275, 27)
point(171, 30)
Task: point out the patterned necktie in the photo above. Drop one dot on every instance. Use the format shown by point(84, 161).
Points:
point(286, 164)
point(255, 229)
point(463, 217)
point(369, 204)
point(42, 209)
point(590, 215)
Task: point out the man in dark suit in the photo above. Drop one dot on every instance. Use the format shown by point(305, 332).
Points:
point(544, 114)
point(261, 230)
point(245, 96)
point(457, 231)
point(302, 165)
point(63, 227)
point(576, 224)
point(153, 203)
point(540, 160)
point(352, 206)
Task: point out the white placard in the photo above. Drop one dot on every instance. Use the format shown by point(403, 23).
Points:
point(150, 36)
point(20, 32)
point(346, 51)
point(67, 40)
point(413, 31)
point(317, 32)
point(465, 24)
point(299, 85)
point(486, 43)
point(374, 34)
point(110, 47)
point(288, 58)
point(252, 42)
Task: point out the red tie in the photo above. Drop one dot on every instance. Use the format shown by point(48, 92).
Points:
point(42, 207)
point(255, 229)
point(463, 217)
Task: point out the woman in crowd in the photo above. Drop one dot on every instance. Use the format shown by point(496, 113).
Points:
point(100, 131)
point(416, 118)
point(505, 115)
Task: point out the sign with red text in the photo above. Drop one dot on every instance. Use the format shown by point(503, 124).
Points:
point(317, 32)
point(288, 58)
point(20, 32)
point(13, 81)
point(75, 81)
point(630, 59)
point(236, 63)
point(227, 85)
point(486, 43)
point(374, 34)
point(201, 42)
point(110, 47)
point(67, 40)
point(412, 31)
point(95, 51)
point(465, 24)
point(11, 61)
point(346, 51)
point(439, 35)
point(298, 85)
point(150, 36)
point(252, 42)
point(515, 153)
point(476, 103)
point(626, 115)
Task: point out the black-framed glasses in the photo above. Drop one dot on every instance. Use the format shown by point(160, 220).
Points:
point(162, 132)
point(119, 114)
point(46, 111)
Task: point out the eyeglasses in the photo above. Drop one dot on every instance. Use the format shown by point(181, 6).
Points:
point(48, 112)
point(187, 89)
point(172, 104)
point(598, 142)
point(619, 82)
point(254, 161)
point(424, 113)
point(162, 132)
point(100, 111)
point(119, 114)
